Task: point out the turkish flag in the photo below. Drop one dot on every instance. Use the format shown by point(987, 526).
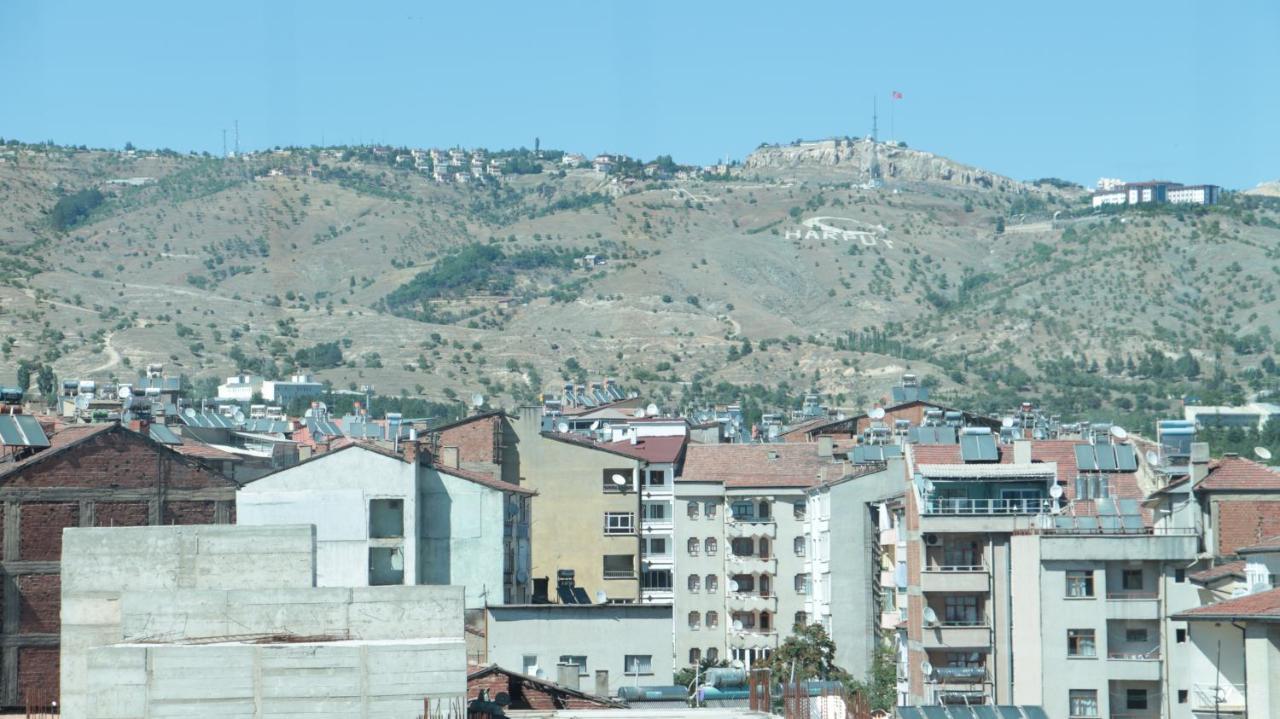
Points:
point(897, 95)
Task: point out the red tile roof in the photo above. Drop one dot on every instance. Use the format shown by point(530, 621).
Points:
point(1270, 544)
point(1239, 474)
point(1222, 571)
point(199, 450)
point(1264, 606)
point(658, 450)
point(790, 464)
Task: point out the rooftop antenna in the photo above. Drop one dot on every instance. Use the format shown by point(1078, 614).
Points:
point(1263, 453)
point(224, 142)
point(237, 138)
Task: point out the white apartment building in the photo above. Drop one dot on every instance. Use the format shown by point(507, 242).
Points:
point(742, 576)
point(240, 388)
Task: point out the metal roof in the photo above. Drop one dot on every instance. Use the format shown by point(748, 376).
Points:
point(208, 420)
point(266, 426)
point(164, 435)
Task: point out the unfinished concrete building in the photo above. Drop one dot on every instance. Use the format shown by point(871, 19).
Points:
point(226, 621)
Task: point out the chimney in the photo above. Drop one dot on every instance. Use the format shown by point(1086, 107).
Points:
point(602, 683)
point(1199, 461)
point(1022, 451)
point(826, 446)
point(567, 676)
point(449, 457)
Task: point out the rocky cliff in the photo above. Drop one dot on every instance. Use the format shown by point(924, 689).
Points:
point(896, 163)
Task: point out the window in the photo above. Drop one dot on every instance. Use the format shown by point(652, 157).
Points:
point(766, 621)
point(1132, 580)
point(1135, 636)
point(637, 664)
point(713, 654)
point(746, 620)
point(695, 655)
point(656, 547)
point(764, 549)
point(1179, 575)
point(797, 510)
point(1135, 699)
point(694, 582)
point(692, 508)
point(742, 546)
point(1083, 702)
point(802, 584)
point(692, 546)
point(657, 478)
point(959, 609)
point(1180, 636)
point(959, 554)
point(713, 584)
point(577, 659)
point(713, 621)
point(1080, 583)
point(710, 546)
point(530, 663)
point(742, 583)
point(709, 509)
point(762, 510)
point(695, 620)
point(655, 511)
point(619, 566)
point(656, 579)
point(386, 566)
point(1080, 643)
point(619, 523)
point(611, 484)
point(1182, 696)
point(386, 518)
point(964, 659)
point(801, 619)
point(797, 545)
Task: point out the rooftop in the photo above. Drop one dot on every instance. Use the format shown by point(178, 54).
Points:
point(1262, 606)
point(1230, 570)
point(791, 464)
point(1232, 473)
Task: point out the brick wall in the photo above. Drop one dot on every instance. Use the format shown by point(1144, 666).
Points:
point(474, 440)
point(39, 598)
point(121, 514)
point(188, 512)
point(527, 695)
point(1244, 522)
point(42, 524)
point(37, 669)
point(119, 458)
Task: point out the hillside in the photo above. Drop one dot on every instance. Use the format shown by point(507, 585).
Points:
point(785, 272)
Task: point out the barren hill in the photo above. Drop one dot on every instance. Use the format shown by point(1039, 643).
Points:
point(784, 273)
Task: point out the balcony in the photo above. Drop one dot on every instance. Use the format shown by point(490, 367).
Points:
point(1217, 698)
point(753, 638)
point(939, 578)
point(985, 507)
point(735, 529)
point(752, 564)
point(1133, 605)
point(958, 636)
point(961, 675)
point(1134, 665)
point(751, 602)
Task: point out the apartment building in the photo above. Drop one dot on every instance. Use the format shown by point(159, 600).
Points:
point(742, 578)
point(853, 559)
point(610, 529)
point(1035, 576)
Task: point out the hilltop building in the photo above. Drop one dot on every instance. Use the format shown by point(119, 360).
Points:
point(1156, 192)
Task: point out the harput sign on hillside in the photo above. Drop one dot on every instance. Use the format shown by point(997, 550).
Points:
point(841, 228)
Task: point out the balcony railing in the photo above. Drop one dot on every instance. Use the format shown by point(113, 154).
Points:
point(1223, 697)
point(961, 675)
point(1149, 655)
point(1127, 596)
point(982, 507)
point(956, 568)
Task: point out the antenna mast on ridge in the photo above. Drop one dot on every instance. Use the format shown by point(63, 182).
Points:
point(874, 179)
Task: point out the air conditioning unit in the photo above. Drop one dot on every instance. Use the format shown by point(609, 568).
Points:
point(932, 540)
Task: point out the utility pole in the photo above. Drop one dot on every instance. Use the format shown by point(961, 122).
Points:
point(224, 143)
point(874, 166)
point(237, 138)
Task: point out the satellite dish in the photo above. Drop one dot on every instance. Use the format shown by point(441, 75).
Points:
point(238, 417)
point(513, 508)
point(926, 668)
point(1262, 453)
point(1153, 458)
point(82, 401)
point(1007, 422)
point(876, 413)
point(522, 576)
point(602, 596)
point(638, 413)
point(651, 410)
point(595, 425)
point(930, 617)
point(1056, 491)
point(733, 585)
point(619, 479)
point(737, 625)
point(124, 392)
point(928, 486)
point(1119, 433)
point(563, 427)
point(189, 412)
point(477, 400)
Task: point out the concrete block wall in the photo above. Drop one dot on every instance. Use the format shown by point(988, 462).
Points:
point(338, 680)
point(101, 564)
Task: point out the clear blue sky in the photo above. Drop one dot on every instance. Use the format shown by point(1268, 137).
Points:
point(1184, 90)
